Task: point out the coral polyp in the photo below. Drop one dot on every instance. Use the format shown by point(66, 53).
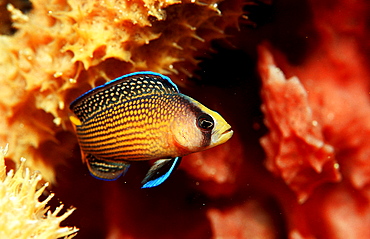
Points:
point(22, 214)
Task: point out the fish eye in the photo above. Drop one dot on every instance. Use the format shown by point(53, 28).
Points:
point(205, 122)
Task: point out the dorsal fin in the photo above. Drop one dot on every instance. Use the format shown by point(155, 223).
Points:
point(121, 89)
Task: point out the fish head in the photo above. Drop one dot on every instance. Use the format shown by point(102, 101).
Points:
point(200, 128)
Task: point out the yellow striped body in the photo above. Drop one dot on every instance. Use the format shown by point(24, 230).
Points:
point(137, 129)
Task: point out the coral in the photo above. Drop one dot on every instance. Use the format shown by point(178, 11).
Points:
point(5, 17)
point(295, 145)
point(318, 141)
point(22, 214)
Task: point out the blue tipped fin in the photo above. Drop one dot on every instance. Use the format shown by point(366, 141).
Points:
point(104, 169)
point(160, 171)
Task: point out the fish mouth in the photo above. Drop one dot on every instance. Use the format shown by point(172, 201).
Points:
point(228, 131)
point(224, 136)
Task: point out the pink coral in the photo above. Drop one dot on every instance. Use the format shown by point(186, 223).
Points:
point(295, 146)
point(329, 101)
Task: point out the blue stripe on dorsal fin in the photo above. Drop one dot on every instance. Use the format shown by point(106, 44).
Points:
point(160, 171)
point(98, 98)
point(164, 79)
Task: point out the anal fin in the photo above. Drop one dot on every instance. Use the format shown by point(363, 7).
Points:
point(104, 169)
point(160, 171)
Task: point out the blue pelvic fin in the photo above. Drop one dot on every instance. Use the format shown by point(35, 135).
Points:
point(160, 171)
point(104, 169)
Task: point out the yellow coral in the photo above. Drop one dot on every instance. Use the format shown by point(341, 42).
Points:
point(21, 213)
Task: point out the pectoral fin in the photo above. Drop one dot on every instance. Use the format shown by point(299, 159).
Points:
point(160, 171)
point(104, 169)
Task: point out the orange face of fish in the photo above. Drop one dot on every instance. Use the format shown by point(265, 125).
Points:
point(142, 116)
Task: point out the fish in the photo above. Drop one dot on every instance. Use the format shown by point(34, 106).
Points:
point(142, 116)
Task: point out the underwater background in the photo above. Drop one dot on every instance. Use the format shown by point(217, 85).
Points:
point(290, 77)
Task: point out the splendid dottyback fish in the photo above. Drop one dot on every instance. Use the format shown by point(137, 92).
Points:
point(143, 116)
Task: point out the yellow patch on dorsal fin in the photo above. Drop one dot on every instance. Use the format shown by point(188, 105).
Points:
point(75, 120)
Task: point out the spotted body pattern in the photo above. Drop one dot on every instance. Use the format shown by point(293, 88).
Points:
point(142, 116)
